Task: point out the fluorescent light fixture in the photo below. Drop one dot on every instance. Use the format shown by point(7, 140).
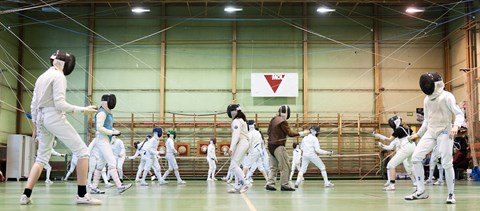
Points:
point(139, 10)
point(232, 9)
point(325, 10)
point(414, 10)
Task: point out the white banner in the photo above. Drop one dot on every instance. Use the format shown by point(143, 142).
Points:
point(274, 85)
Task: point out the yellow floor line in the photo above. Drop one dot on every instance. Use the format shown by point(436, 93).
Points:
point(249, 203)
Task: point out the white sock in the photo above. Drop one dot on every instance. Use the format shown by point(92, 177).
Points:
point(209, 173)
point(388, 175)
point(299, 177)
point(137, 177)
point(166, 174)
point(440, 171)
point(145, 173)
point(113, 172)
point(325, 177)
point(96, 178)
point(419, 174)
point(450, 179)
point(177, 174)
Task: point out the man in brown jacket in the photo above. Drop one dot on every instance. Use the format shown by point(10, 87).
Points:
point(278, 130)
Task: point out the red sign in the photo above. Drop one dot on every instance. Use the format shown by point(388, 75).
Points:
point(274, 81)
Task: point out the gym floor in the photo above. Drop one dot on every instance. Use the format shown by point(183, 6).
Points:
point(202, 195)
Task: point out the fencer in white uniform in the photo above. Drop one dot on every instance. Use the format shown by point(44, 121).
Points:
point(436, 130)
point(140, 151)
point(48, 108)
point(212, 159)
point(296, 159)
point(170, 155)
point(118, 149)
point(104, 127)
point(238, 147)
point(404, 149)
point(73, 164)
point(255, 151)
point(48, 167)
point(152, 156)
point(311, 150)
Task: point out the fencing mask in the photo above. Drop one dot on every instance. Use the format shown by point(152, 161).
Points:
point(109, 101)
point(232, 110)
point(63, 61)
point(251, 125)
point(284, 111)
point(314, 130)
point(394, 122)
point(427, 82)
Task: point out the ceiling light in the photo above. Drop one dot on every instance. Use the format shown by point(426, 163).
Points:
point(232, 9)
point(139, 10)
point(414, 10)
point(325, 10)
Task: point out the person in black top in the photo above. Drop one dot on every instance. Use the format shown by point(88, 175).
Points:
point(404, 149)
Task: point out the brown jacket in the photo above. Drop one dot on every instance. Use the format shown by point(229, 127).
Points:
point(278, 130)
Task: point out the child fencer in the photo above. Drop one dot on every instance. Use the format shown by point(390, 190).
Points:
point(152, 156)
point(104, 127)
point(311, 150)
point(238, 147)
point(404, 149)
point(256, 149)
point(48, 108)
point(297, 158)
point(436, 130)
point(48, 167)
point(140, 151)
point(170, 155)
point(118, 149)
point(432, 163)
point(212, 159)
point(73, 164)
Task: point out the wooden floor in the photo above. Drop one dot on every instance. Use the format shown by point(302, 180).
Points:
point(350, 195)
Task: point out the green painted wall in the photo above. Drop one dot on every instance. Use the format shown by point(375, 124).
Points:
point(8, 76)
point(198, 58)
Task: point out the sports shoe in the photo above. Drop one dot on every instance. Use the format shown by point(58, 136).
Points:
point(270, 187)
point(428, 181)
point(287, 188)
point(224, 179)
point(214, 179)
point(229, 181)
point(48, 181)
point(209, 179)
point(87, 199)
point(123, 188)
point(296, 185)
point(245, 187)
point(451, 198)
point(144, 184)
point(391, 187)
point(181, 182)
point(96, 191)
point(162, 182)
point(416, 195)
point(138, 180)
point(386, 184)
point(233, 190)
point(438, 182)
point(24, 200)
point(107, 184)
point(329, 185)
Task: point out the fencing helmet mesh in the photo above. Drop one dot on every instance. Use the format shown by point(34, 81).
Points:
point(314, 130)
point(427, 82)
point(251, 125)
point(232, 110)
point(394, 122)
point(213, 140)
point(63, 60)
point(109, 100)
point(284, 111)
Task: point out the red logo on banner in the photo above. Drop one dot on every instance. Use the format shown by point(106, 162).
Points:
point(274, 81)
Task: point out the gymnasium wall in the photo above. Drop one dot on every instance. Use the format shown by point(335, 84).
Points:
point(198, 66)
